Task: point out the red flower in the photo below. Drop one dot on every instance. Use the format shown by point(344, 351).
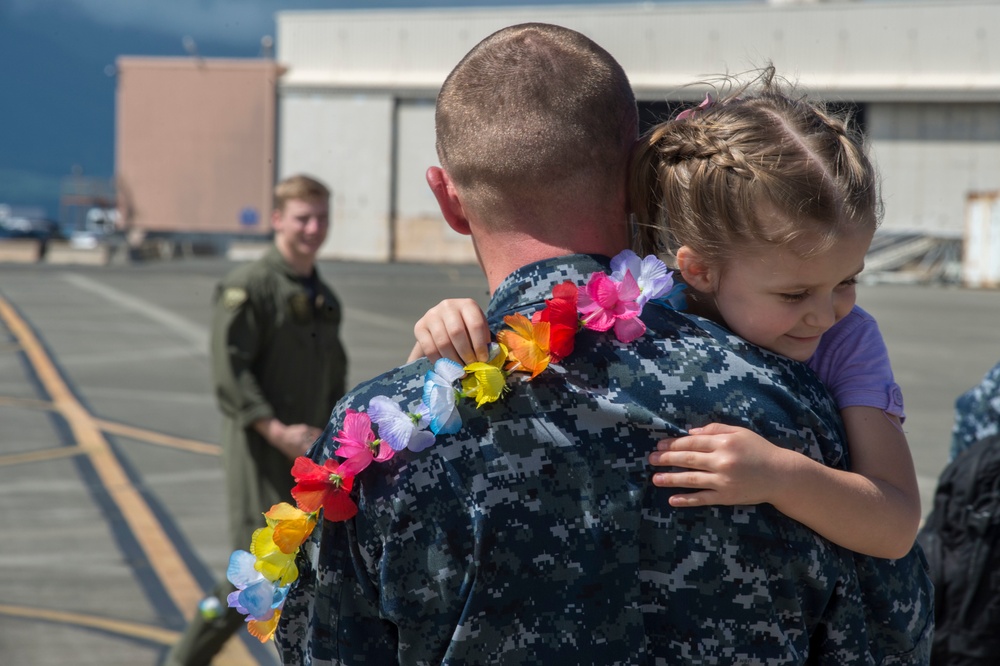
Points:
point(323, 486)
point(560, 312)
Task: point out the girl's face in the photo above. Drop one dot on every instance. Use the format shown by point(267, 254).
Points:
point(773, 297)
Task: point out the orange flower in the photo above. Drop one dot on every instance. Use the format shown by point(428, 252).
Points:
point(263, 630)
point(528, 344)
point(292, 526)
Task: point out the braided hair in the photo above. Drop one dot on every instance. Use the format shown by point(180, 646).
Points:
point(702, 178)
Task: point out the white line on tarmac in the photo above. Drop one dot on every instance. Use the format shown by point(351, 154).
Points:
point(131, 394)
point(197, 334)
point(379, 320)
point(194, 333)
point(144, 356)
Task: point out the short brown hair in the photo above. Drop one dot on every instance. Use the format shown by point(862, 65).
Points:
point(701, 180)
point(298, 186)
point(535, 111)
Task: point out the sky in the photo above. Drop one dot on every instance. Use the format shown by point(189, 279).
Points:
point(57, 73)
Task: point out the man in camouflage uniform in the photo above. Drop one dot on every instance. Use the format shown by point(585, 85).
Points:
point(278, 367)
point(534, 534)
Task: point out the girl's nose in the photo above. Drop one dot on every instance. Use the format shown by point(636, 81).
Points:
point(822, 314)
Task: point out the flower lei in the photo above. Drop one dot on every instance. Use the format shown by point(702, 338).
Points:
point(263, 576)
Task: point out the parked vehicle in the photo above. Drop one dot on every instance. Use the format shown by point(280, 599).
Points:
point(26, 227)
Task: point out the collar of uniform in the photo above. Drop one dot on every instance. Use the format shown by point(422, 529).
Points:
point(526, 289)
point(273, 258)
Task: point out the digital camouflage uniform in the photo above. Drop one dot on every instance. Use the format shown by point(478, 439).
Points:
point(276, 352)
point(977, 413)
point(534, 535)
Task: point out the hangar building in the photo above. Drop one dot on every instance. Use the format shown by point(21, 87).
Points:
point(356, 100)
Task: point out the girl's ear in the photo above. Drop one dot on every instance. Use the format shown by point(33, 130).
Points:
point(697, 273)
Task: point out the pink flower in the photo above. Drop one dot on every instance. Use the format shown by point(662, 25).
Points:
point(359, 445)
point(605, 303)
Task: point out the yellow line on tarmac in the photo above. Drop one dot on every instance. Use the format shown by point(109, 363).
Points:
point(39, 456)
point(30, 403)
point(130, 629)
point(192, 445)
point(115, 428)
point(166, 562)
point(157, 547)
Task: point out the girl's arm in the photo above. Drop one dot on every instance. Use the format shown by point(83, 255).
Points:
point(874, 509)
point(455, 328)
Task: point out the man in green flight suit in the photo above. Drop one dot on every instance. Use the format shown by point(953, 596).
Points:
point(278, 368)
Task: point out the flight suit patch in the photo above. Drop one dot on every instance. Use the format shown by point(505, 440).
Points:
point(301, 308)
point(233, 297)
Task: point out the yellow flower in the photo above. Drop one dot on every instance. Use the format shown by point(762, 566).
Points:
point(486, 382)
point(274, 565)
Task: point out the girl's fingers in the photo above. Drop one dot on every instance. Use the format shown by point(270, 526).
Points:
point(698, 442)
point(665, 444)
point(455, 329)
point(701, 498)
point(683, 479)
point(690, 458)
point(425, 344)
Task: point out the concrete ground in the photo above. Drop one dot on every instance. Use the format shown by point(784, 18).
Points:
point(109, 473)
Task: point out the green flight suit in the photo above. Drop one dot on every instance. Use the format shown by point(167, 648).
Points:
point(276, 352)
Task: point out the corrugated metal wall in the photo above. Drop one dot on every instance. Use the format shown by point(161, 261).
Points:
point(931, 156)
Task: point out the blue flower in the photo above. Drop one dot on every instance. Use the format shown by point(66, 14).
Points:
point(441, 398)
point(255, 595)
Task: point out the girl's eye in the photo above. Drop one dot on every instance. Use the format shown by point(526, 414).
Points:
point(850, 282)
point(793, 298)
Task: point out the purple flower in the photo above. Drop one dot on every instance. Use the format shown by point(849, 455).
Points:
point(398, 428)
point(650, 274)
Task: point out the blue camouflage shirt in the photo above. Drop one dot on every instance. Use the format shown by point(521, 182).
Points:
point(535, 536)
point(977, 413)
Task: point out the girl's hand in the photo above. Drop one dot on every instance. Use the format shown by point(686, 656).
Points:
point(454, 328)
point(729, 465)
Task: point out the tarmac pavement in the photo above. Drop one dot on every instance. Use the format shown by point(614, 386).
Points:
point(110, 480)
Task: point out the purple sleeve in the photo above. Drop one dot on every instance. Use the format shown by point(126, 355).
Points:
point(853, 362)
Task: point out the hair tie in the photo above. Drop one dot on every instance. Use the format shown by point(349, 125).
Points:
point(707, 103)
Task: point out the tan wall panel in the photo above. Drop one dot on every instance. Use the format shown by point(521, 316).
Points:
point(195, 143)
point(421, 232)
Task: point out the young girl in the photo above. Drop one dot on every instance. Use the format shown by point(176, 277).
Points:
point(766, 206)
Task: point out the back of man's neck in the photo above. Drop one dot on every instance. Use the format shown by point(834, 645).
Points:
point(515, 253)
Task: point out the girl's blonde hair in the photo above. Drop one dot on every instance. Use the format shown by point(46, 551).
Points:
point(703, 178)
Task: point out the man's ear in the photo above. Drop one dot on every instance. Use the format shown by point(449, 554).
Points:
point(448, 201)
point(697, 273)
